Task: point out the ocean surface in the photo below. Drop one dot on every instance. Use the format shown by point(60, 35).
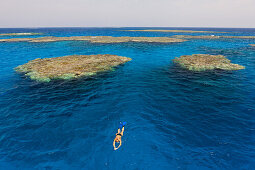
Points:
point(176, 119)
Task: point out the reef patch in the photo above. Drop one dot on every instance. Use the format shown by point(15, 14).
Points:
point(184, 31)
point(20, 34)
point(69, 67)
point(211, 37)
point(97, 39)
point(203, 62)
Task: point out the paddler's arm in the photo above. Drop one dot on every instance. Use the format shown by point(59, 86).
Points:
point(118, 146)
point(114, 144)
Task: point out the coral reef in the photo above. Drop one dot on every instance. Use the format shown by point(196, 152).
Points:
point(20, 34)
point(252, 45)
point(68, 67)
point(185, 31)
point(97, 39)
point(211, 37)
point(202, 62)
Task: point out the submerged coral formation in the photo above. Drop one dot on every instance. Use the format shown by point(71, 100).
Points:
point(20, 34)
point(211, 37)
point(252, 45)
point(97, 39)
point(68, 67)
point(185, 31)
point(202, 62)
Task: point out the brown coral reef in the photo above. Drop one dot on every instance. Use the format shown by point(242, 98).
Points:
point(184, 31)
point(20, 34)
point(202, 62)
point(97, 39)
point(211, 37)
point(68, 67)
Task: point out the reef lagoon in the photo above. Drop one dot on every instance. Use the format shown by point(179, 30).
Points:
point(176, 118)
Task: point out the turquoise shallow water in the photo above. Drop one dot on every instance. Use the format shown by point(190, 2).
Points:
point(175, 119)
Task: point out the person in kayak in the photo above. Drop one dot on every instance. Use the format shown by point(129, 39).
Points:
point(119, 135)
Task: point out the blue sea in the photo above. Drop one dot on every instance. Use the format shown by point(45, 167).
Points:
point(176, 119)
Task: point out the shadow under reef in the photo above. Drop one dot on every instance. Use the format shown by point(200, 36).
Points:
point(178, 84)
point(57, 91)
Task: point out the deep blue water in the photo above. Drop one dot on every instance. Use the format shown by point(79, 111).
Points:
point(175, 119)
